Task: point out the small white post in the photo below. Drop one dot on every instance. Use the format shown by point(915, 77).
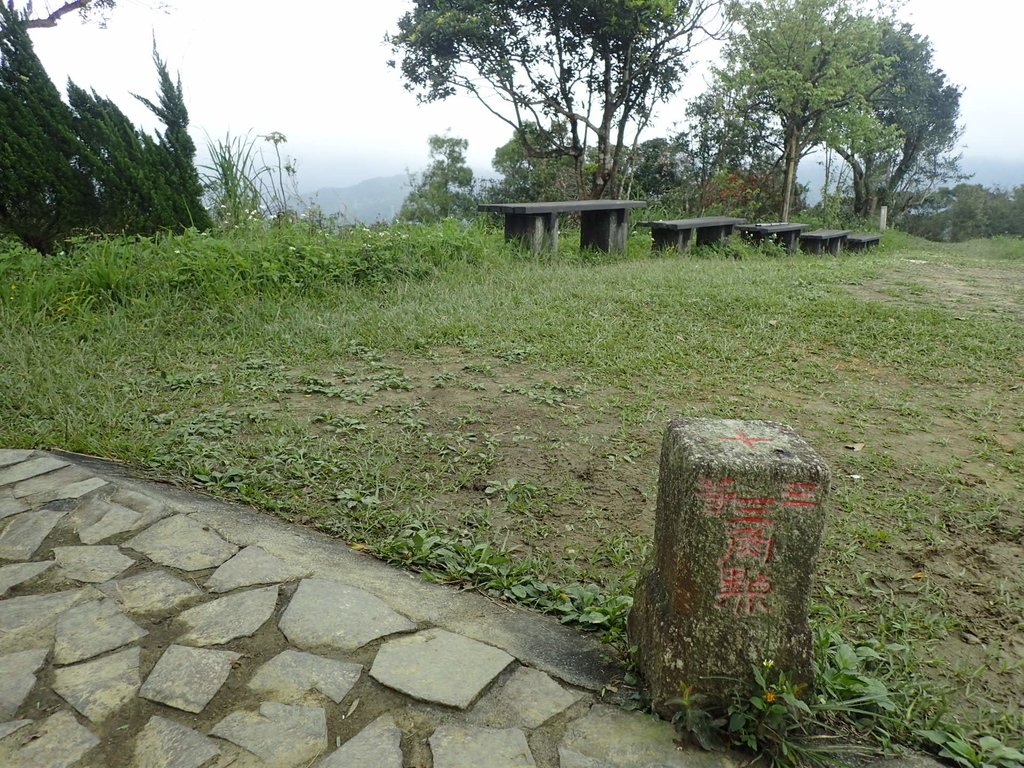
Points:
point(883, 217)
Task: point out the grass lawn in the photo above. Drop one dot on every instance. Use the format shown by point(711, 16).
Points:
point(494, 419)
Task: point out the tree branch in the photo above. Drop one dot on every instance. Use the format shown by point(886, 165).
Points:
point(53, 18)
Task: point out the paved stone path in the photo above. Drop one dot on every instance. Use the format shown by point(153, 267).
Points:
point(144, 626)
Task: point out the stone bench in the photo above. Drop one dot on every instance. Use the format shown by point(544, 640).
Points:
point(784, 233)
point(824, 241)
point(861, 242)
point(604, 224)
point(681, 234)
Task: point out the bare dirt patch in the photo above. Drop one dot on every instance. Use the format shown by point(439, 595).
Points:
point(992, 289)
point(540, 456)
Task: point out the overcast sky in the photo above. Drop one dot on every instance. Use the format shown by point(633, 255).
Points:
point(316, 71)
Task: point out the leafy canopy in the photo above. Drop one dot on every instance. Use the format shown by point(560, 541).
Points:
point(568, 76)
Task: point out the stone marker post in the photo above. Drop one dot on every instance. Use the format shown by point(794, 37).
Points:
point(739, 525)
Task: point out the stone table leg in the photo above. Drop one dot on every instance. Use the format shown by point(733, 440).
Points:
point(604, 230)
point(536, 231)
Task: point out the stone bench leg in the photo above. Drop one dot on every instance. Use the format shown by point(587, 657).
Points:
point(679, 239)
point(604, 230)
point(835, 246)
point(536, 231)
point(710, 235)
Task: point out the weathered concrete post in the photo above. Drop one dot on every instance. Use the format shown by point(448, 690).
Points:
point(739, 525)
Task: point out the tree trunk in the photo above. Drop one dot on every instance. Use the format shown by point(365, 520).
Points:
point(792, 158)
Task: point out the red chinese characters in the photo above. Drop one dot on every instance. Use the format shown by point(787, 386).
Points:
point(747, 593)
point(744, 586)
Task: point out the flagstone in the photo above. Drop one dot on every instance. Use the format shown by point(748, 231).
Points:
point(183, 543)
point(439, 666)
point(28, 622)
point(188, 678)
point(10, 505)
point(51, 481)
point(378, 745)
point(15, 473)
point(99, 688)
point(164, 743)
point(253, 565)
point(456, 746)
point(154, 591)
point(329, 614)
point(10, 456)
point(116, 519)
point(280, 734)
point(91, 564)
point(91, 629)
point(226, 618)
point(59, 742)
point(26, 532)
point(294, 673)
point(19, 573)
point(18, 676)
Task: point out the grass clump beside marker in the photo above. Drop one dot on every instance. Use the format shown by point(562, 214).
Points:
point(491, 418)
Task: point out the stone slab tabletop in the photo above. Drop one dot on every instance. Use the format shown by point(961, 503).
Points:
point(144, 626)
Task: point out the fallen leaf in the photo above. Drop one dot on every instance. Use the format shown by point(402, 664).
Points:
point(918, 575)
point(350, 710)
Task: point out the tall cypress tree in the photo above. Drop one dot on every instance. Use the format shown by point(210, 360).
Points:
point(86, 167)
point(179, 151)
point(44, 191)
point(114, 157)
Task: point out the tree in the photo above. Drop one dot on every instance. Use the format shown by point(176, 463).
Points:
point(445, 189)
point(65, 169)
point(966, 212)
point(526, 178)
point(919, 111)
point(116, 157)
point(179, 151)
point(44, 191)
point(807, 67)
point(571, 77)
point(53, 12)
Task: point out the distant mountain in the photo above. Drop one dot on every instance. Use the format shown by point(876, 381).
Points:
point(368, 202)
